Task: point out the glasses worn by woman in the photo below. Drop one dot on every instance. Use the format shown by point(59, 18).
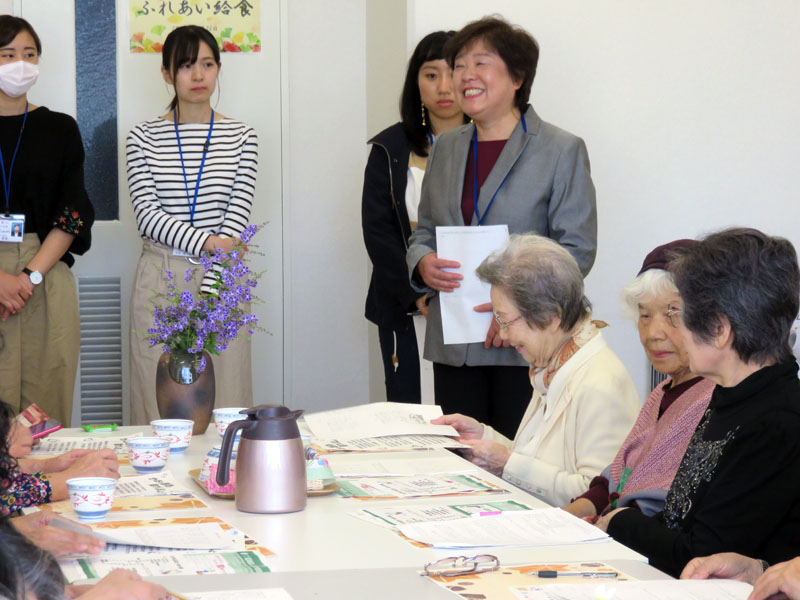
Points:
point(735, 488)
point(584, 401)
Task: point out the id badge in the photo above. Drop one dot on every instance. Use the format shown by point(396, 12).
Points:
point(12, 228)
point(179, 252)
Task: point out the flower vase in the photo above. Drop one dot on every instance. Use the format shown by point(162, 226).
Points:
point(184, 393)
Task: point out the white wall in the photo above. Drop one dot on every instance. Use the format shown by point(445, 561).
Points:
point(689, 111)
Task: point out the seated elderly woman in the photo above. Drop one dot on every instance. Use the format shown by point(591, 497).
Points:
point(645, 465)
point(584, 401)
point(736, 488)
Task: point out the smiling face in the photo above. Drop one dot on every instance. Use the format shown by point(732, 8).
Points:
point(436, 89)
point(484, 87)
point(22, 47)
point(662, 342)
point(535, 345)
point(195, 81)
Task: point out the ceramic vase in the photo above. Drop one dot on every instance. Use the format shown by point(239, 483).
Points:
point(182, 392)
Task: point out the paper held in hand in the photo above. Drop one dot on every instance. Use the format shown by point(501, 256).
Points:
point(377, 419)
point(469, 246)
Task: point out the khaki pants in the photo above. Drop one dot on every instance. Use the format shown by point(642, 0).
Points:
point(39, 347)
point(232, 369)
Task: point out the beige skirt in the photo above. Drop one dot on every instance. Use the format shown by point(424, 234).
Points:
point(232, 368)
point(39, 347)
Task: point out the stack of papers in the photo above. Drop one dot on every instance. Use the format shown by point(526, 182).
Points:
point(377, 420)
point(539, 527)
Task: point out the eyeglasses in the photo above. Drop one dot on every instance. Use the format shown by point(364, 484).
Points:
point(456, 566)
point(674, 316)
point(505, 324)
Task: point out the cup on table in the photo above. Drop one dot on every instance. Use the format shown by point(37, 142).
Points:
point(224, 417)
point(91, 497)
point(148, 454)
point(177, 431)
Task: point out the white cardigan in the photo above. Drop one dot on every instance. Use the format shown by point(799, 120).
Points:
point(567, 437)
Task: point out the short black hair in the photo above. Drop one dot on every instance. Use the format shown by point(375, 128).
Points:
point(518, 49)
point(429, 48)
point(748, 277)
point(182, 46)
point(11, 26)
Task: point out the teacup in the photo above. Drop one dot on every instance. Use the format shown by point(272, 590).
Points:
point(177, 431)
point(224, 417)
point(91, 497)
point(148, 454)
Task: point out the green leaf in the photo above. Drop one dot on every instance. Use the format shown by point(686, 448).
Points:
point(147, 43)
point(226, 33)
point(245, 48)
point(252, 38)
point(157, 29)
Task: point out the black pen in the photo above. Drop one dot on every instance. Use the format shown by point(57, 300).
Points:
point(554, 574)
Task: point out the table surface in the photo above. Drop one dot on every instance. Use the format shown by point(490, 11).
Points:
point(326, 539)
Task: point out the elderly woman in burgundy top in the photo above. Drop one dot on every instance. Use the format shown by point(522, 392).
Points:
point(648, 459)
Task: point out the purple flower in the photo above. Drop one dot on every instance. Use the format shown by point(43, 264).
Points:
point(188, 277)
point(202, 366)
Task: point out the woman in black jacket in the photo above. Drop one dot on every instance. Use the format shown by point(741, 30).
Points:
point(392, 182)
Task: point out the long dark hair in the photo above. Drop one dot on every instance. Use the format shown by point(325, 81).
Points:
point(182, 46)
point(429, 48)
point(11, 26)
point(25, 569)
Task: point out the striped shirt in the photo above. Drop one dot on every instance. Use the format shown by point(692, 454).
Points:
point(158, 190)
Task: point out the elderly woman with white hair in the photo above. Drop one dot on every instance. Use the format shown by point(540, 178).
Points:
point(641, 473)
point(584, 402)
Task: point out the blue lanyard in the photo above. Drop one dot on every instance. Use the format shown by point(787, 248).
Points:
point(202, 162)
point(475, 175)
point(431, 139)
point(7, 180)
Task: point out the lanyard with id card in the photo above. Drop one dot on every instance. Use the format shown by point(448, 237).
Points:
point(12, 226)
point(177, 251)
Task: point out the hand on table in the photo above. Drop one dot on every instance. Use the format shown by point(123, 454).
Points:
point(120, 584)
point(64, 461)
point(779, 581)
point(488, 455)
point(726, 565)
point(20, 440)
point(55, 540)
point(431, 269)
point(467, 427)
point(493, 335)
point(94, 463)
point(603, 521)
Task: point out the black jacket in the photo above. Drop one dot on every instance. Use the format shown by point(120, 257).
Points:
point(384, 220)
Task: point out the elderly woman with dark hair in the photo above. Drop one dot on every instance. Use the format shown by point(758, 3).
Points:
point(508, 168)
point(645, 465)
point(584, 401)
point(736, 488)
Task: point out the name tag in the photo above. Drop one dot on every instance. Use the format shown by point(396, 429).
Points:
point(177, 252)
point(12, 228)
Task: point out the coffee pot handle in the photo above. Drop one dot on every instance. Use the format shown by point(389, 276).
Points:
point(224, 464)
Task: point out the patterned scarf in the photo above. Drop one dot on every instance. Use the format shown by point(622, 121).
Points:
point(542, 376)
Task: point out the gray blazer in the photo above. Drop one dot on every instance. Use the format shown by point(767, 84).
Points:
point(548, 191)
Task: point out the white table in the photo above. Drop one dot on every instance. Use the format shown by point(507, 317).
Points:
point(340, 549)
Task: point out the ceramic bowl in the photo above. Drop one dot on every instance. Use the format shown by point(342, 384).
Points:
point(91, 497)
point(148, 454)
point(224, 417)
point(178, 431)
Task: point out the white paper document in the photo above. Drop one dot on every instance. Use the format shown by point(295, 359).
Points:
point(469, 246)
point(712, 589)
point(53, 446)
point(261, 594)
point(392, 516)
point(342, 467)
point(539, 527)
point(414, 486)
point(389, 443)
point(377, 419)
point(152, 484)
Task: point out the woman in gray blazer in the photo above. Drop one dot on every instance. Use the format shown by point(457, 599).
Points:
point(511, 168)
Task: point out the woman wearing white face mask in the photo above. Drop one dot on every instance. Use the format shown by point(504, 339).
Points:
point(43, 196)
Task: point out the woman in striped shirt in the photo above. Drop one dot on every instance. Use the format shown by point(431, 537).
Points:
point(191, 175)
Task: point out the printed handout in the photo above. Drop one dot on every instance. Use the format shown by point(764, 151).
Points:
point(399, 466)
point(53, 446)
point(377, 419)
point(389, 443)
point(393, 516)
point(718, 589)
point(372, 488)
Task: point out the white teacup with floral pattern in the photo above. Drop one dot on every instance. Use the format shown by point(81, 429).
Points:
point(178, 431)
point(225, 416)
point(148, 454)
point(91, 497)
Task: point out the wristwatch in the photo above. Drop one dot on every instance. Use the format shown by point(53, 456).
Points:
point(35, 277)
